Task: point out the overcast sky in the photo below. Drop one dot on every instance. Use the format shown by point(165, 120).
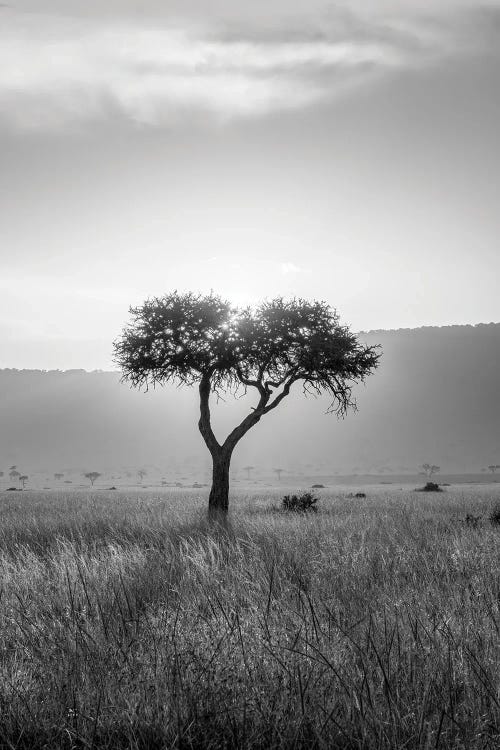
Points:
point(341, 151)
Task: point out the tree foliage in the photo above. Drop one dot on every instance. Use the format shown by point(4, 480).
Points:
point(430, 469)
point(185, 338)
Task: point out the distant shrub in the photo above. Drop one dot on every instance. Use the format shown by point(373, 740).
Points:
point(300, 503)
point(495, 516)
point(430, 487)
point(317, 486)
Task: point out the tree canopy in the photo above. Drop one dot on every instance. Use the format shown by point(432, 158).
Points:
point(186, 337)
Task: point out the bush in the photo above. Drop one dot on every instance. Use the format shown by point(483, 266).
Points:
point(495, 516)
point(300, 503)
point(430, 487)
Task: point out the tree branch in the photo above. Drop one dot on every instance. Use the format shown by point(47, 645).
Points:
point(254, 383)
point(263, 407)
point(284, 393)
point(249, 421)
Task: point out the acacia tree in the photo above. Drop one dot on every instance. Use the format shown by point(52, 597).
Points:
point(493, 468)
point(14, 474)
point(23, 479)
point(278, 473)
point(203, 340)
point(92, 476)
point(141, 474)
point(430, 469)
point(248, 469)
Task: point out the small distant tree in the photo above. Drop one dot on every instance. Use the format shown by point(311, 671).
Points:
point(430, 469)
point(278, 473)
point(23, 479)
point(1, 473)
point(141, 474)
point(493, 468)
point(92, 476)
point(248, 470)
point(205, 341)
point(58, 477)
point(14, 475)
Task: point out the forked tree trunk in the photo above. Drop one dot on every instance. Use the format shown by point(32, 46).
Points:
point(218, 501)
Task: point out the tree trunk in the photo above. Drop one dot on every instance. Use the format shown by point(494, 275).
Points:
point(218, 501)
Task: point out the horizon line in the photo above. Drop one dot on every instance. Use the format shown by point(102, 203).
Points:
point(358, 333)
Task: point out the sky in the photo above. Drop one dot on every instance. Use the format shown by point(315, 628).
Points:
point(340, 151)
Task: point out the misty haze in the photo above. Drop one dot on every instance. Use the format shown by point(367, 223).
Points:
point(433, 398)
point(249, 375)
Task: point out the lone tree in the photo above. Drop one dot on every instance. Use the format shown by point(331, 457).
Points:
point(141, 474)
point(23, 479)
point(203, 340)
point(493, 468)
point(278, 473)
point(14, 474)
point(430, 469)
point(92, 476)
point(248, 469)
point(58, 476)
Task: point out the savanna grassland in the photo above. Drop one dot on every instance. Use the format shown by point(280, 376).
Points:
point(127, 622)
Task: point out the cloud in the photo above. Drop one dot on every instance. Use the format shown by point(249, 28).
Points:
point(290, 268)
point(57, 70)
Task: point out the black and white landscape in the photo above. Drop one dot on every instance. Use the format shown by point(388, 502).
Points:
point(249, 374)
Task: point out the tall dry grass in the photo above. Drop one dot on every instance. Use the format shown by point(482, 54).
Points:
point(127, 622)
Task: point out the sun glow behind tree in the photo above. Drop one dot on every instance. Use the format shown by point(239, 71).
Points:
point(204, 340)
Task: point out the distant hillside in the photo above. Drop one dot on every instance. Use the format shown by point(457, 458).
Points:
point(435, 398)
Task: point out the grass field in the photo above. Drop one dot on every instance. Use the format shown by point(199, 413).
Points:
point(126, 622)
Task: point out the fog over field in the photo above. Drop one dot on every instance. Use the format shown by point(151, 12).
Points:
point(434, 398)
